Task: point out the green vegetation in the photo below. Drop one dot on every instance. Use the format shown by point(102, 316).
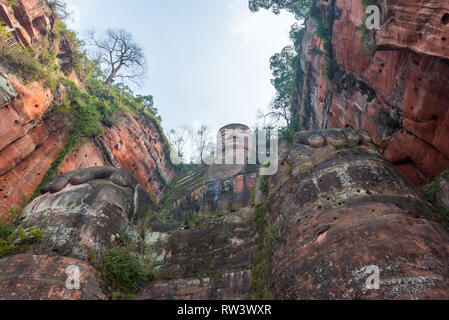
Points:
point(366, 3)
point(24, 62)
point(287, 133)
point(149, 219)
point(268, 236)
point(324, 19)
point(430, 191)
point(13, 3)
point(14, 238)
point(364, 35)
point(262, 182)
point(124, 272)
point(231, 207)
point(183, 171)
point(83, 111)
point(191, 219)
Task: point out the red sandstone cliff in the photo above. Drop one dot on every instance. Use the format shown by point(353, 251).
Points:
point(393, 82)
point(30, 142)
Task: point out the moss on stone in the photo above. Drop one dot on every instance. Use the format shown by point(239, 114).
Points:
point(268, 235)
point(430, 191)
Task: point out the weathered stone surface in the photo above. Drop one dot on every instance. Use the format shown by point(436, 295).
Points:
point(204, 190)
point(41, 277)
point(230, 286)
point(84, 210)
point(28, 21)
point(30, 144)
point(419, 26)
point(388, 82)
point(341, 210)
point(220, 244)
point(212, 261)
point(135, 144)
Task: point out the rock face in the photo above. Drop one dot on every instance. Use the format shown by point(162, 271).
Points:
point(203, 191)
point(31, 143)
point(341, 210)
point(135, 144)
point(392, 82)
point(80, 215)
point(342, 213)
point(213, 258)
point(81, 211)
point(212, 261)
point(28, 21)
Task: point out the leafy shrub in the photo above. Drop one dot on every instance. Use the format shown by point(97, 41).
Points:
point(288, 133)
point(14, 238)
point(124, 271)
point(429, 191)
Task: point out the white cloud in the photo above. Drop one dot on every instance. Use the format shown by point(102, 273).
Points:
point(74, 19)
point(259, 35)
point(260, 28)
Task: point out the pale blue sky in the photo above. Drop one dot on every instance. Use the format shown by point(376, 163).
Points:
point(208, 59)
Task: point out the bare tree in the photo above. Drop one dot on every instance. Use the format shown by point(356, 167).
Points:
point(119, 56)
point(275, 118)
point(202, 139)
point(178, 139)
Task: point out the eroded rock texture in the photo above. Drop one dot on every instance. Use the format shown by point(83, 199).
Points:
point(41, 277)
point(80, 214)
point(31, 143)
point(28, 21)
point(393, 82)
point(216, 188)
point(212, 261)
point(338, 205)
point(341, 208)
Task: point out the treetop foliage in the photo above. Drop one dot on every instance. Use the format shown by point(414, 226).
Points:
point(300, 8)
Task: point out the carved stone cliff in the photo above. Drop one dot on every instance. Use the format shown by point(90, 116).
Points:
point(393, 82)
point(335, 208)
point(32, 140)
